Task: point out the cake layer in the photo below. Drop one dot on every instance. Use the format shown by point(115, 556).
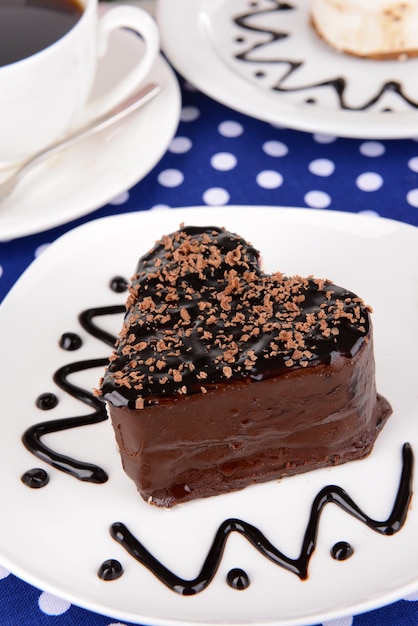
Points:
point(247, 432)
point(380, 29)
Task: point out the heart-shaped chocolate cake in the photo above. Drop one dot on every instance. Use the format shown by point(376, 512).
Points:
point(224, 376)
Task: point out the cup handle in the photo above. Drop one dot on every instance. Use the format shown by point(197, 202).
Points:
point(140, 22)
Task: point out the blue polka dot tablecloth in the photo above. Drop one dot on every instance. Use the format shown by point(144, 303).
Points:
point(219, 157)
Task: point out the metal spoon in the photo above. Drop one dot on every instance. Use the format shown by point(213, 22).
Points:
point(128, 106)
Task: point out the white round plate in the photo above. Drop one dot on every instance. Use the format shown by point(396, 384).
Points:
point(93, 172)
point(263, 58)
point(57, 537)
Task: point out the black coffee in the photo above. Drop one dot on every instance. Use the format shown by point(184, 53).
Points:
point(28, 26)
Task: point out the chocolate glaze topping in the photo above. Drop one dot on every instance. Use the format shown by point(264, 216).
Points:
point(202, 312)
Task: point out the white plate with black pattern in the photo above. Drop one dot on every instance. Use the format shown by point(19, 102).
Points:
point(264, 59)
point(57, 537)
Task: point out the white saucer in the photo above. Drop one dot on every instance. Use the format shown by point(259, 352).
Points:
point(93, 172)
point(263, 59)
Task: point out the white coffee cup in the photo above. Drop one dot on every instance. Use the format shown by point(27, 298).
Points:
point(45, 95)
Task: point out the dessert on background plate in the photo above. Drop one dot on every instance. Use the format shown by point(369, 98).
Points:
point(376, 29)
point(224, 376)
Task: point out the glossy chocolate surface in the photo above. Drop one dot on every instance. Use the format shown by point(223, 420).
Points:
point(111, 569)
point(201, 312)
point(341, 551)
point(35, 478)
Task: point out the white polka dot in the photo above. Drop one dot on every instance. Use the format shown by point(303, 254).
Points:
point(223, 161)
point(51, 605)
point(412, 597)
point(159, 207)
point(189, 114)
point(341, 621)
point(321, 138)
point(269, 179)
point(4, 573)
point(413, 164)
point(412, 197)
point(230, 128)
point(1, 271)
point(317, 199)
point(41, 249)
point(277, 125)
point(321, 167)
point(179, 145)
point(275, 148)
point(372, 148)
point(216, 196)
point(369, 213)
point(369, 181)
point(122, 198)
point(170, 178)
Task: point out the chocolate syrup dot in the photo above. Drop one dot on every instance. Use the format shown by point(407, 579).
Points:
point(341, 551)
point(46, 401)
point(35, 478)
point(118, 284)
point(70, 341)
point(110, 569)
point(238, 579)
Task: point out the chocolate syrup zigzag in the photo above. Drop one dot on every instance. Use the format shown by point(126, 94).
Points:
point(32, 437)
point(86, 320)
point(338, 83)
point(299, 566)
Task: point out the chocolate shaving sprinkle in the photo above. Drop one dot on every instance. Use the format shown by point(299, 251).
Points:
point(200, 308)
